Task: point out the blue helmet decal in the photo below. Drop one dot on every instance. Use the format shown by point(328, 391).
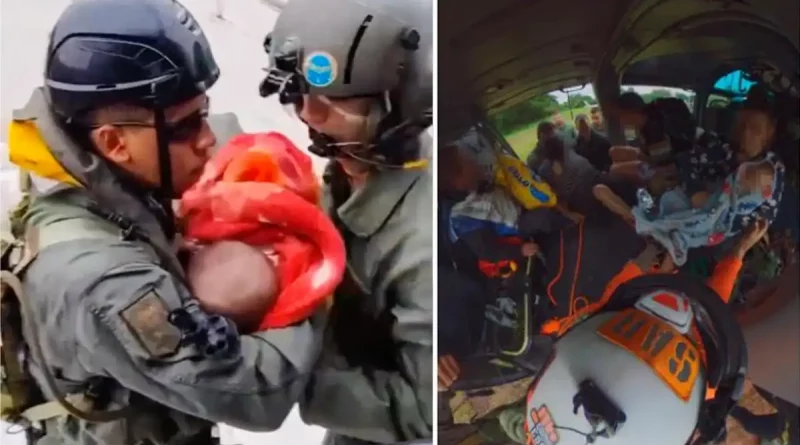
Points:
point(320, 69)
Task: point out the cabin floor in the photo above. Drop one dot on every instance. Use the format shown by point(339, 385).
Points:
point(752, 400)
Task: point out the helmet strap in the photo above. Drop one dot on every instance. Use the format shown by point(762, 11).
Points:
point(394, 144)
point(165, 189)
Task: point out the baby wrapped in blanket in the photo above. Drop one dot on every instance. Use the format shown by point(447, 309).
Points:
point(265, 254)
point(721, 190)
point(753, 190)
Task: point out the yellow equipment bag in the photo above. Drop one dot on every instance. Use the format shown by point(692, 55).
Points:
point(524, 185)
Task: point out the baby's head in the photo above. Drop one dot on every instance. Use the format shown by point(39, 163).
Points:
point(757, 176)
point(234, 280)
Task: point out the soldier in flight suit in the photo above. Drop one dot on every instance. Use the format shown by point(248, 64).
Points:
point(120, 125)
point(359, 74)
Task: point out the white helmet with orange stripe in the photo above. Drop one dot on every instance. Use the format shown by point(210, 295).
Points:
point(637, 372)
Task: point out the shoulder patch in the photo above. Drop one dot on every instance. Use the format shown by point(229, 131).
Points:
point(148, 320)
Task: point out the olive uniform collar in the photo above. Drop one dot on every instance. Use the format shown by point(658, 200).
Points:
point(368, 208)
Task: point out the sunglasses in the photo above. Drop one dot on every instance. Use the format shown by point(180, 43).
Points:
point(185, 129)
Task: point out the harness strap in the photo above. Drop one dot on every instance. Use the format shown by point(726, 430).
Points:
point(15, 379)
point(36, 239)
point(16, 215)
point(74, 229)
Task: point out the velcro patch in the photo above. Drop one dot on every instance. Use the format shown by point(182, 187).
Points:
point(148, 320)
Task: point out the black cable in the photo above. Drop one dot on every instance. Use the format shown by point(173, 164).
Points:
point(590, 438)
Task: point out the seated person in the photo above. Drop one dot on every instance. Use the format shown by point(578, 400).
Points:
point(723, 192)
point(257, 232)
point(462, 297)
point(544, 130)
point(573, 178)
point(664, 129)
point(592, 145)
point(486, 214)
point(597, 120)
point(567, 132)
point(481, 245)
point(534, 159)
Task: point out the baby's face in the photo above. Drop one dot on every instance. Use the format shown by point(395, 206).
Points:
point(757, 176)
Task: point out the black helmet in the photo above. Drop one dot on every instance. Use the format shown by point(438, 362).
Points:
point(150, 53)
point(146, 52)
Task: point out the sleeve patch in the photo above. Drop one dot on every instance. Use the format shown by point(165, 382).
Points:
point(148, 320)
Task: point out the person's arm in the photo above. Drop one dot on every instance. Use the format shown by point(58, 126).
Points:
point(127, 335)
point(726, 272)
point(642, 264)
point(378, 405)
point(722, 281)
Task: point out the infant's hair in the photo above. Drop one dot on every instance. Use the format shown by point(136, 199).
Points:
point(235, 280)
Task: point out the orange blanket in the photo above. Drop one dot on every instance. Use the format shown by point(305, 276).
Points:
point(261, 189)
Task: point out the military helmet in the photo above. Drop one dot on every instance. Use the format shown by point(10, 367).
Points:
point(356, 48)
